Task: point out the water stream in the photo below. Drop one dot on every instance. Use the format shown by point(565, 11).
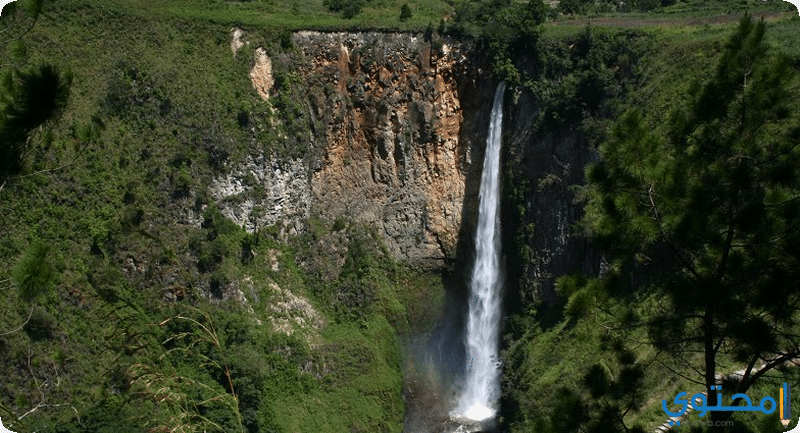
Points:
point(477, 401)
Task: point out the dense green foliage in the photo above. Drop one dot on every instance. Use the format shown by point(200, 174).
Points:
point(504, 29)
point(349, 9)
point(31, 98)
point(696, 218)
point(707, 214)
point(405, 12)
point(583, 83)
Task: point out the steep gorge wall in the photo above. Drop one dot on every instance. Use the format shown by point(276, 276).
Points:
point(397, 130)
point(403, 131)
point(398, 124)
point(550, 137)
point(541, 213)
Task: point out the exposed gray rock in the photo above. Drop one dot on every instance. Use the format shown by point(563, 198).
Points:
point(263, 192)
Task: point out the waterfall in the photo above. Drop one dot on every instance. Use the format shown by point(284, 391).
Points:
point(480, 392)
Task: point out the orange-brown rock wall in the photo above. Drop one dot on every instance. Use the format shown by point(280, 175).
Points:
point(397, 151)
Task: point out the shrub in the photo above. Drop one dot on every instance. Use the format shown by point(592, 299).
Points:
point(34, 274)
point(40, 326)
point(405, 12)
point(349, 9)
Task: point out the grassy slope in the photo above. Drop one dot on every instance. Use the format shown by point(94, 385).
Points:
point(290, 15)
point(152, 118)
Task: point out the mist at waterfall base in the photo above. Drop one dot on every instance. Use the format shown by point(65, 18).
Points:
point(452, 376)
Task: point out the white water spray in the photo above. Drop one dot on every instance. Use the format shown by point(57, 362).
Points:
point(478, 400)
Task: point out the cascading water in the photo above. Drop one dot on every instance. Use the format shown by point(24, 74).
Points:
point(478, 399)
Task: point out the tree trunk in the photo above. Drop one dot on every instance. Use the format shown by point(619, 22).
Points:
point(711, 369)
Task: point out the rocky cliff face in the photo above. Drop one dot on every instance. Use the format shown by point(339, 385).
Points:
point(401, 135)
point(398, 125)
point(540, 212)
point(398, 122)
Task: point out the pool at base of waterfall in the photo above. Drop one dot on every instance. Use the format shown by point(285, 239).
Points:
point(475, 413)
point(474, 419)
point(463, 423)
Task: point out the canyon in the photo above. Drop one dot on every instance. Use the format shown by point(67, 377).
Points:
point(311, 197)
point(266, 217)
point(399, 126)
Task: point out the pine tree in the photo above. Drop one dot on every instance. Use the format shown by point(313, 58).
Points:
point(31, 98)
point(706, 214)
